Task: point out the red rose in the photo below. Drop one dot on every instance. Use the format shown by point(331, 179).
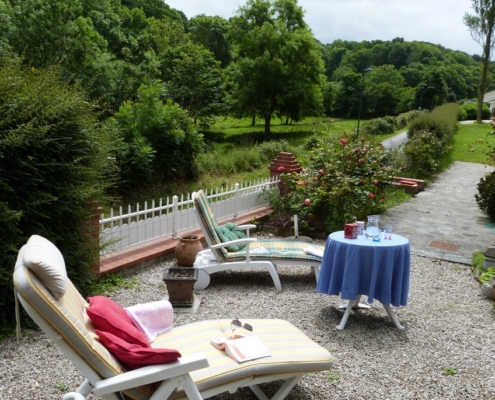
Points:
point(315, 179)
point(365, 150)
point(357, 150)
point(382, 201)
point(307, 202)
point(371, 196)
point(281, 168)
point(322, 171)
point(375, 182)
point(343, 141)
point(300, 183)
point(362, 160)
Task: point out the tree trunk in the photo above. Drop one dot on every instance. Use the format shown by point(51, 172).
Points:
point(486, 59)
point(268, 117)
point(253, 122)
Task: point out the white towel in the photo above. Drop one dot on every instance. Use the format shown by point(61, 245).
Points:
point(152, 318)
point(314, 252)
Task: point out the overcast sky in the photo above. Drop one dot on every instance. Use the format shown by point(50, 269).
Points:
point(434, 21)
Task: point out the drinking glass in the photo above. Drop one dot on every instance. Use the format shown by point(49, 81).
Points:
point(387, 230)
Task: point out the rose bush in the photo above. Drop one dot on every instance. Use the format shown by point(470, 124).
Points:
point(343, 182)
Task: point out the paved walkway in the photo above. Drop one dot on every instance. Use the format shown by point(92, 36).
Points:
point(444, 220)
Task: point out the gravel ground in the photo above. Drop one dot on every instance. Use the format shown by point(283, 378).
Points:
point(447, 350)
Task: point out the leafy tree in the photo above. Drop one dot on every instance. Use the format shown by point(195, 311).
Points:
point(158, 140)
point(347, 101)
point(481, 25)
point(211, 32)
point(157, 9)
point(194, 79)
point(55, 160)
point(278, 61)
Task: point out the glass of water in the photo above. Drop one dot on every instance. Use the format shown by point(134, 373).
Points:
point(387, 231)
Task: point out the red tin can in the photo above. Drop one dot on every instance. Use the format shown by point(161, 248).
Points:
point(351, 231)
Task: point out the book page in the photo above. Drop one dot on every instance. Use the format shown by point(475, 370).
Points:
point(246, 348)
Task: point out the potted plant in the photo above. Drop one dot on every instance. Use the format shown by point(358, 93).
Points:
point(180, 285)
point(187, 249)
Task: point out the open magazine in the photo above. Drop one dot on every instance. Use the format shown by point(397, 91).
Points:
point(242, 348)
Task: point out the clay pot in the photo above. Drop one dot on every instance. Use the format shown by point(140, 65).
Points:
point(187, 249)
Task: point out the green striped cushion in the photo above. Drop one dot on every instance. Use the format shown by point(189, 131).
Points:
point(277, 250)
point(209, 221)
point(292, 351)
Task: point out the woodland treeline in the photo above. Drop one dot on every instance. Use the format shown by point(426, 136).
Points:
point(262, 62)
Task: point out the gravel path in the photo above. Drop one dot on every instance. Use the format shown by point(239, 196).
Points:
point(447, 350)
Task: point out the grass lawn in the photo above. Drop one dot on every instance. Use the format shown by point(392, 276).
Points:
point(472, 142)
point(231, 129)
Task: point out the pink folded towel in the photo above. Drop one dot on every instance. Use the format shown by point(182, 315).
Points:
point(152, 318)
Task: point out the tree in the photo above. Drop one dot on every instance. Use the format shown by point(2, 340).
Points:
point(481, 25)
point(194, 79)
point(211, 32)
point(278, 61)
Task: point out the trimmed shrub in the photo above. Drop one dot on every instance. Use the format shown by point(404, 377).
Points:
point(403, 119)
point(423, 152)
point(486, 195)
point(470, 111)
point(378, 126)
point(54, 161)
point(430, 136)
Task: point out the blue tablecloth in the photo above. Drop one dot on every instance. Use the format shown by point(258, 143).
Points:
point(353, 267)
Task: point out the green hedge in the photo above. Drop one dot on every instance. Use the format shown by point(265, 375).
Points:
point(54, 161)
point(470, 112)
point(430, 136)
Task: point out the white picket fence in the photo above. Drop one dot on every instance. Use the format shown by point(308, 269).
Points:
point(119, 231)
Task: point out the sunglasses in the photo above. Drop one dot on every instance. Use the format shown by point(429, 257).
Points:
point(235, 322)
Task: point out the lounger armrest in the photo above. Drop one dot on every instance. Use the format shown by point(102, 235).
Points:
point(246, 241)
point(151, 374)
point(247, 227)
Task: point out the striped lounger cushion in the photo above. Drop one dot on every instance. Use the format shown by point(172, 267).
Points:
point(292, 351)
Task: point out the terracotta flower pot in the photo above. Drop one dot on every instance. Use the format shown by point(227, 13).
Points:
point(187, 249)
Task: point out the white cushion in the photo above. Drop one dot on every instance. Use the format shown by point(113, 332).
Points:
point(43, 258)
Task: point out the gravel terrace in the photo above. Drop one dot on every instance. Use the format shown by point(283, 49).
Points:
point(447, 350)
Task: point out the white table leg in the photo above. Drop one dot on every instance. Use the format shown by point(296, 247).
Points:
point(356, 304)
point(393, 316)
point(346, 314)
point(351, 304)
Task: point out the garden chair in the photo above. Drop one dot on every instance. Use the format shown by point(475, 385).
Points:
point(52, 301)
point(258, 253)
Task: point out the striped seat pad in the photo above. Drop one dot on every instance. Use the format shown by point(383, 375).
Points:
point(292, 351)
point(208, 220)
point(278, 250)
point(68, 317)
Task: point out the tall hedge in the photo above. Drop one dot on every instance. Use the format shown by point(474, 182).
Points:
point(430, 137)
point(54, 163)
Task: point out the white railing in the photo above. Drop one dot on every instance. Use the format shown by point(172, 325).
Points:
point(119, 230)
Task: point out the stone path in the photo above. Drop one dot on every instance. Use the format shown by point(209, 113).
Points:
point(444, 221)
